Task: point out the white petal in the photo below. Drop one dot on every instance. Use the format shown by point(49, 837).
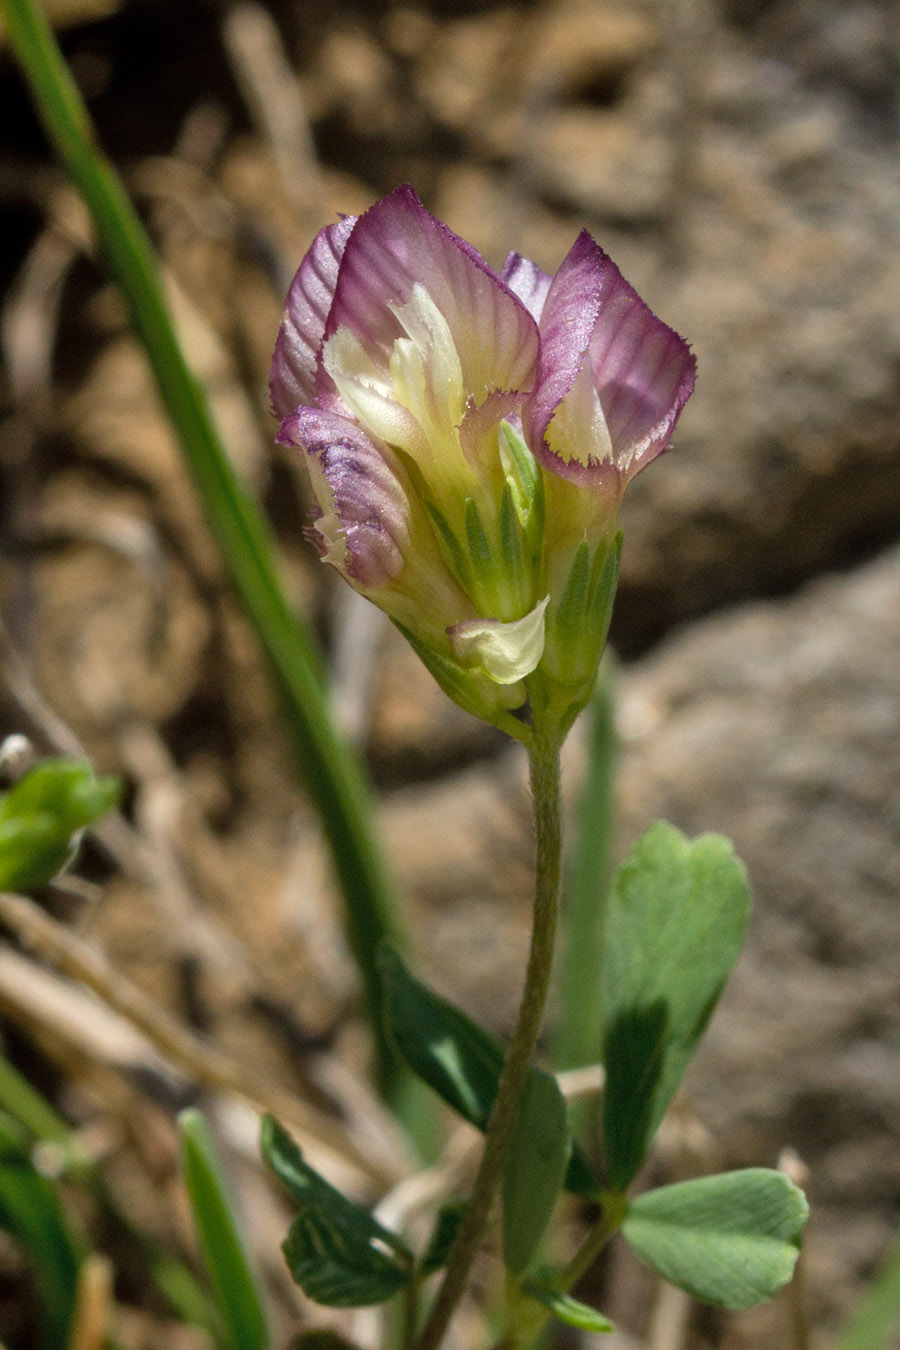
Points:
point(507, 652)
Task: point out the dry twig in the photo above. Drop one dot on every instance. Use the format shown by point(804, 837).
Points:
point(272, 94)
point(54, 942)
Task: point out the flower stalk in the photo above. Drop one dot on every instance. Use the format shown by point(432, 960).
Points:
point(543, 753)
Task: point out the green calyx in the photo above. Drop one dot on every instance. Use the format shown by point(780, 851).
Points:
point(492, 543)
point(578, 620)
point(542, 591)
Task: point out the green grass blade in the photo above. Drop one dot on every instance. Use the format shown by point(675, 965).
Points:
point(579, 1037)
point(875, 1321)
point(30, 1108)
point(333, 777)
point(31, 1212)
point(45, 1125)
point(226, 1260)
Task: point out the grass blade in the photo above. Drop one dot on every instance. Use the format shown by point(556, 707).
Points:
point(30, 1211)
point(874, 1322)
point(332, 774)
point(226, 1260)
point(579, 1038)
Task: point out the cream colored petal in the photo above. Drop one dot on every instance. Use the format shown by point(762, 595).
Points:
point(507, 652)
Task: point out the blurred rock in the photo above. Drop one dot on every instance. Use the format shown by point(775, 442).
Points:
point(756, 209)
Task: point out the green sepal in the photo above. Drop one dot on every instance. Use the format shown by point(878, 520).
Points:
point(605, 571)
point(526, 484)
point(337, 1252)
point(518, 572)
point(570, 612)
point(475, 693)
point(479, 545)
point(456, 1057)
point(674, 926)
point(730, 1240)
point(451, 550)
point(578, 626)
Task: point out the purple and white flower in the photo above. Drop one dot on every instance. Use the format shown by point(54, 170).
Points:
point(404, 369)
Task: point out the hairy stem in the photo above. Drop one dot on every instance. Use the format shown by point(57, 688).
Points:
point(544, 765)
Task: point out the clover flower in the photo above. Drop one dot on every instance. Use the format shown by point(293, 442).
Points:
point(469, 436)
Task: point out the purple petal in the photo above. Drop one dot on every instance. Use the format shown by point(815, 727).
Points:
point(396, 244)
point(526, 280)
point(612, 374)
point(363, 525)
point(292, 379)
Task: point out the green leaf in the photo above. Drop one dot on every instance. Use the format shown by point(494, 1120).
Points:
point(443, 1236)
point(31, 1213)
point(64, 788)
point(31, 1109)
point(41, 818)
point(32, 852)
point(454, 1055)
point(877, 1315)
point(226, 1259)
point(539, 1152)
point(336, 1251)
point(675, 924)
point(567, 1309)
point(730, 1240)
point(332, 1267)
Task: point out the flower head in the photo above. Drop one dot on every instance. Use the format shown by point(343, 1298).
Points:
point(469, 436)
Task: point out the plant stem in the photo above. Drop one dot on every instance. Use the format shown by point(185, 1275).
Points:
point(410, 1312)
point(614, 1205)
point(333, 777)
point(544, 765)
point(525, 1328)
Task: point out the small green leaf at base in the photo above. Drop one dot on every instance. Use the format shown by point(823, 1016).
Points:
point(335, 1250)
point(567, 1309)
point(731, 1240)
point(539, 1152)
point(673, 930)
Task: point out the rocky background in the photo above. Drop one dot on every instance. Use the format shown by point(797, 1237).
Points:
point(739, 160)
